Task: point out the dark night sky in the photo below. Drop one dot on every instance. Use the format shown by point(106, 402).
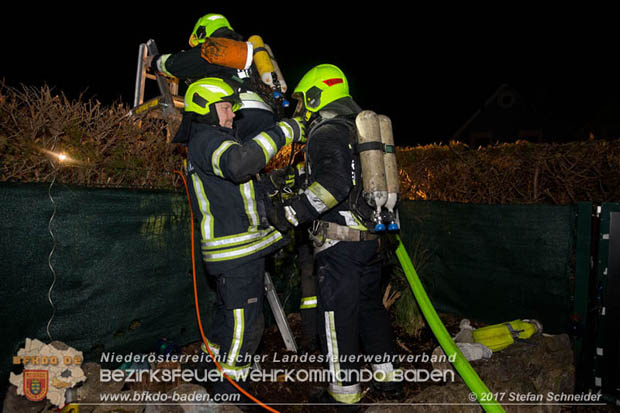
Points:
point(427, 69)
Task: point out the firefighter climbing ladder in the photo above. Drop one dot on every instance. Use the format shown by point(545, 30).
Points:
point(168, 101)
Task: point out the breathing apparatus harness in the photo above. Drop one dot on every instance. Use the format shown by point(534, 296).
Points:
point(357, 205)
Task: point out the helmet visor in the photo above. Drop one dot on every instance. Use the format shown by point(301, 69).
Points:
point(300, 108)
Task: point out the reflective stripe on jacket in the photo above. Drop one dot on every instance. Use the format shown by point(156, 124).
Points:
point(225, 196)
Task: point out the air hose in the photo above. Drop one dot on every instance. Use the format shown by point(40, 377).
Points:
point(462, 366)
point(202, 333)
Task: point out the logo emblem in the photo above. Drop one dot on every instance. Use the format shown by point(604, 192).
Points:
point(332, 82)
point(35, 384)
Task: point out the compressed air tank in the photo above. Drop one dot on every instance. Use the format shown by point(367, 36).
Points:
point(391, 170)
point(279, 84)
point(262, 60)
point(277, 70)
point(370, 147)
point(499, 336)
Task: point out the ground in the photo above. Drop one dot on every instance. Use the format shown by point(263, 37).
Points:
point(293, 397)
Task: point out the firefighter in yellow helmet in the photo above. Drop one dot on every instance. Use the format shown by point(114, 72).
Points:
point(226, 198)
point(254, 114)
point(209, 25)
point(347, 264)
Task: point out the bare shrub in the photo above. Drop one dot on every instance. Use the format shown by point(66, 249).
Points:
point(102, 146)
point(105, 147)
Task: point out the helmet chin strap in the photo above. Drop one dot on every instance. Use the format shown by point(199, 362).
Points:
point(305, 114)
point(309, 116)
point(315, 119)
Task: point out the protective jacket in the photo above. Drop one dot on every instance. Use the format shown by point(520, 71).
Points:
point(333, 170)
point(189, 64)
point(224, 193)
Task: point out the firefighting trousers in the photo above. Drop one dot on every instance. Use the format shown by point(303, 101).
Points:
point(238, 322)
point(352, 318)
point(308, 303)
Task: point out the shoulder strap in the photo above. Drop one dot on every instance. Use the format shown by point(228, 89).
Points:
point(345, 120)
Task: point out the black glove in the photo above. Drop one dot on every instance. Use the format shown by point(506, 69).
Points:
point(294, 130)
point(274, 209)
point(284, 181)
point(151, 63)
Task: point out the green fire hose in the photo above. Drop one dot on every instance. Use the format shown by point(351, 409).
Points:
point(462, 366)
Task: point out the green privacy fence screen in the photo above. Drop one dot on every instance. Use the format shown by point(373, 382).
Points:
point(494, 263)
point(123, 268)
point(123, 271)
